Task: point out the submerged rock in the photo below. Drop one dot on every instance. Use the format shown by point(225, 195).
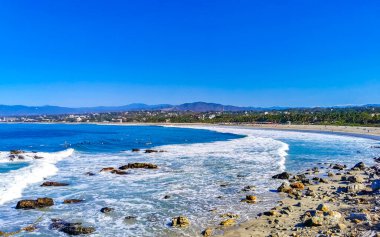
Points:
point(106, 210)
point(138, 166)
point(71, 228)
point(250, 199)
point(150, 151)
point(119, 172)
point(32, 204)
point(53, 184)
point(283, 175)
point(180, 221)
point(107, 169)
point(71, 201)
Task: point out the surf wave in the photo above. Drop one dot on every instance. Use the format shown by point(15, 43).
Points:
point(14, 182)
point(252, 146)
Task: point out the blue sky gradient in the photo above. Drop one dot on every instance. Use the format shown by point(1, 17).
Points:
point(258, 53)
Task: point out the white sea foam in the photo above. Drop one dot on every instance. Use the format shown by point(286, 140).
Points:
point(14, 182)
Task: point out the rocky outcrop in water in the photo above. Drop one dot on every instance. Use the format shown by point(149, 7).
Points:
point(283, 175)
point(72, 201)
point(53, 184)
point(138, 166)
point(180, 221)
point(33, 204)
point(71, 228)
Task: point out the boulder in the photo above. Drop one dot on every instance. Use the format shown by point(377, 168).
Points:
point(359, 166)
point(323, 207)
point(248, 188)
point(271, 213)
point(180, 221)
point(284, 188)
point(250, 199)
point(32, 204)
point(375, 185)
point(138, 166)
point(72, 201)
point(338, 167)
point(71, 228)
point(26, 204)
point(135, 150)
point(298, 186)
point(106, 210)
point(207, 232)
point(53, 184)
point(228, 222)
point(283, 175)
point(314, 221)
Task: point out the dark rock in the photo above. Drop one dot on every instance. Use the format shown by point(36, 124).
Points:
point(71, 228)
point(32, 204)
point(72, 201)
point(37, 157)
point(89, 174)
point(150, 151)
point(135, 150)
point(283, 175)
point(338, 167)
point(53, 184)
point(16, 152)
point(138, 166)
point(167, 196)
point(21, 157)
point(359, 166)
point(106, 210)
point(119, 172)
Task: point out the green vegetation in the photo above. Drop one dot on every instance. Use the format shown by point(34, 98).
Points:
point(355, 116)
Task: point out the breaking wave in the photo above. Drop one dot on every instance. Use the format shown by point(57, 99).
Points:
point(13, 183)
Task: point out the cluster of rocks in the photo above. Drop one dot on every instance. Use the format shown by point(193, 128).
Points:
point(333, 201)
point(33, 204)
point(71, 228)
point(121, 169)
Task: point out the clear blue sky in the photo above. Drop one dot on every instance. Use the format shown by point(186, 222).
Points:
point(259, 53)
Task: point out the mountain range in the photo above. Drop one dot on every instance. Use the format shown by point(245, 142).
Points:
point(21, 110)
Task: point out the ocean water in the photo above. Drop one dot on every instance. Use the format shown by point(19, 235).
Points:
point(203, 171)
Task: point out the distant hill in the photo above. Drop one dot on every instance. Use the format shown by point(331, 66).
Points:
point(21, 110)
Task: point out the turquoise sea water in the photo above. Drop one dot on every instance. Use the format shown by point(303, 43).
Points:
point(203, 168)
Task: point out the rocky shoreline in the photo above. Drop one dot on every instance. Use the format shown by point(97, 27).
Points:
point(328, 200)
